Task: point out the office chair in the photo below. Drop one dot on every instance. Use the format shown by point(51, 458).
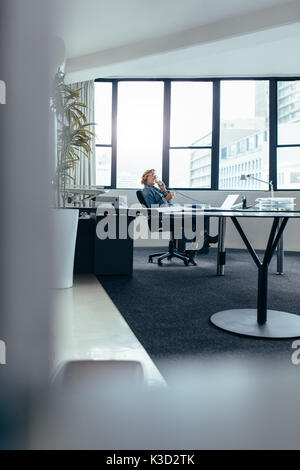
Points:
point(172, 251)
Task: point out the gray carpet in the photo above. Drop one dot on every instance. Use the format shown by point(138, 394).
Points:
point(168, 308)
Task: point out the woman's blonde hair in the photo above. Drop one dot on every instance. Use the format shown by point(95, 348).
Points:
point(145, 175)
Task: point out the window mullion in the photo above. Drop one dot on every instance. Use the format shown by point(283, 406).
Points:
point(273, 133)
point(215, 136)
point(166, 132)
point(114, 134)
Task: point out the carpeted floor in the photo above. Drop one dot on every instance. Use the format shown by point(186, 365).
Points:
point(168, 308)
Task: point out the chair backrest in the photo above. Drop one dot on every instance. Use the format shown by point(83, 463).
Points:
point(141, 199)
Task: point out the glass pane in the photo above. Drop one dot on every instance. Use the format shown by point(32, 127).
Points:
point(140, 131)
point(191, 114)
point(190, 168)
point(103, 166)
point(103, 105)
point(288, 112)
point(288, 168)
point(244, 134)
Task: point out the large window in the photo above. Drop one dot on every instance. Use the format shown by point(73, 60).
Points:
point(199, 133)
point(190, 135)
point(244, 134)
point(288, 135)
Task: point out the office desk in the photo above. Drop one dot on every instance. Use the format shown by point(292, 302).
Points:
point(259, 322)
point(178, 211)
point(221, 260)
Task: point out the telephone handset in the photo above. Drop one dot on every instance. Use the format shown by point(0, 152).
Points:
point(160, 183)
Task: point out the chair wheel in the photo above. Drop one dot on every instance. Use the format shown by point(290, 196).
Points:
point(169, 258)
point(159, 263)
point(150, 260)
point(186, 262)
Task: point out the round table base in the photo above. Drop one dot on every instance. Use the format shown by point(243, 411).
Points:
point(244, 322)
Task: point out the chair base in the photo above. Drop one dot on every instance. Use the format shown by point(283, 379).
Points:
point(173, 253)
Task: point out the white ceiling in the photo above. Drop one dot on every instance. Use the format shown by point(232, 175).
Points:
point(180, 38)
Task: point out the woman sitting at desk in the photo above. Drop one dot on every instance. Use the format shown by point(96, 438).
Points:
point(161, 196)
point(152, 195)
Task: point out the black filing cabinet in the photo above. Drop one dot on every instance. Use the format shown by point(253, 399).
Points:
point(110, 256)
point(85, 245)
point(114, 256)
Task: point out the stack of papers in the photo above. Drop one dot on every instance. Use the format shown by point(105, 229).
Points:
point(276, 203)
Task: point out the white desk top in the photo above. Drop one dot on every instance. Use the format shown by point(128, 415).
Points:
point(178, 211)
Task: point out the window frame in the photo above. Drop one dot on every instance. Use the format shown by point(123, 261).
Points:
point(192, 147)
point(273, 134)
point(112, 144)
point(277, 145)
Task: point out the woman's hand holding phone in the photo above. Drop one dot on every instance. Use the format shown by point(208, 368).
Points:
point(162, 186)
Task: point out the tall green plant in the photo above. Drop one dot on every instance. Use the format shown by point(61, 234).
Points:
point(73, 135)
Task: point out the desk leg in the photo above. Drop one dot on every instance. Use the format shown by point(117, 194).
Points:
point(260, 322)
point(280, 255)
point(221, 247)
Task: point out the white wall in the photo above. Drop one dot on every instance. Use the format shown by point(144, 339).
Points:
point(256, 230)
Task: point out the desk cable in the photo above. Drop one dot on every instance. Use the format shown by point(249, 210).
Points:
point(188, 197)
point(235, 206)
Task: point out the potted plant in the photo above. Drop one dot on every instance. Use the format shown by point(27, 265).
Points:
point(73, 138)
